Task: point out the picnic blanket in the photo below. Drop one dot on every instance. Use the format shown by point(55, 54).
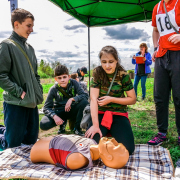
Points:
point(147, 163)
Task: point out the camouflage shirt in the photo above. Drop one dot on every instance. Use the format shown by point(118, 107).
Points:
point(121, 84)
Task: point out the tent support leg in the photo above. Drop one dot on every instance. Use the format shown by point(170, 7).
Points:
point(89, 53)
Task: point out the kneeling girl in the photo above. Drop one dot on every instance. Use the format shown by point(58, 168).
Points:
point(109, 112)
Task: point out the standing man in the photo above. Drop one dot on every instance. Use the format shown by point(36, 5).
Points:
point(81, 72)
point(21, 84)
point(167, 65)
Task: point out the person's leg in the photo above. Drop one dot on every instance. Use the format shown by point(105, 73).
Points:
point(32, 128)
point(47, 123)
point(136, 81)
point(175, 82)
point(122, 132)
point(162, 87)
point(143, 85)
point(103, 129)
point(15, 120)
point(76, 112)
point(62, 127)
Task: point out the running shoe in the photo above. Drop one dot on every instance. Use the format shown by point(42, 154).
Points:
point(157, 140)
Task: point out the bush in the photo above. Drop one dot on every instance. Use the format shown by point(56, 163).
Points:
point(130, 71)
point(46, 69)
point(43, 75)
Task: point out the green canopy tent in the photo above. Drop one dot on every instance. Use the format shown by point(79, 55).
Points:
point(95, 13)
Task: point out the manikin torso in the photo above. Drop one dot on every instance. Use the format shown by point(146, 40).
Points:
point(40, 153)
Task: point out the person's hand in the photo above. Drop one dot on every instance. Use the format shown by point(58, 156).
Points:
point(175, 38)
point(58, 120)
point(134, 57)
point(68, 105)
point(92, 131)
point(154, 56)
point(23, 94)
point(104, 100)
point(144, 59)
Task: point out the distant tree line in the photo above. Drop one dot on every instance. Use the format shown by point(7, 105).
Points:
point(46, 70)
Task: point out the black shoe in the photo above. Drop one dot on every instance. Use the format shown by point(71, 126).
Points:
point(78, 132)
point(2, 129)
point(143, 98)
point(62, 129)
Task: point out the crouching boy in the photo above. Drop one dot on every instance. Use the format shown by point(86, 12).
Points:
point(65, 100)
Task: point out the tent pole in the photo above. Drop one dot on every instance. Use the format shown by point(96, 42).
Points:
point(89, 53)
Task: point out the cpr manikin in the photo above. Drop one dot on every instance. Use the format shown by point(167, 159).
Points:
point(73, 152)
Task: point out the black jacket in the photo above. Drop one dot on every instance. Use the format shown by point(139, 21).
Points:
point(56, 100)
point(81, 78)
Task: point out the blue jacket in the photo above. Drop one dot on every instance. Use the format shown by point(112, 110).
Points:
point(148, 62)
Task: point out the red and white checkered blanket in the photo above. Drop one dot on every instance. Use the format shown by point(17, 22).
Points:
point(147, 163)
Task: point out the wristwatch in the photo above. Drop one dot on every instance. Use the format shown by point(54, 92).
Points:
point(155, 49)
point(52, 115)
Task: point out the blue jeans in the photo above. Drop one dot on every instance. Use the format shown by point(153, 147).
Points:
point(143, 84)
point(22, 126)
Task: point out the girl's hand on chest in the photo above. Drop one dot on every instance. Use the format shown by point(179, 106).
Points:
point(104, 100)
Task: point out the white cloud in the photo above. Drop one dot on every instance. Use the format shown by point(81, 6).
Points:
point(56, 31)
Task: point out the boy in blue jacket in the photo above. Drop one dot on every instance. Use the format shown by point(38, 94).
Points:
point(65, 100)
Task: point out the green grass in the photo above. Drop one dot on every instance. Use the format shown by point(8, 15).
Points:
point(142, 116)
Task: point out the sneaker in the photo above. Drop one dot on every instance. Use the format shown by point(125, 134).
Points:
point(179, 141)
point(157, 140)
point(78, 132)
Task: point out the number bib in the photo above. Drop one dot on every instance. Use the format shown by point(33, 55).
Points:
point(163, 24)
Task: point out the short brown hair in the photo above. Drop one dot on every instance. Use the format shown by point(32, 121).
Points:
point(60, 70)
point(20, 15)
point(74, 76)
point(144, 45)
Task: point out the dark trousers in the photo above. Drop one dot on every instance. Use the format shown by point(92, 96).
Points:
point(167, 77)
point(22, 126)
point(120, 130)
point(75, 114)
point(143, 84)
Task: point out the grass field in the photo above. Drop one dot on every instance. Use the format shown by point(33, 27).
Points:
point(142, 116)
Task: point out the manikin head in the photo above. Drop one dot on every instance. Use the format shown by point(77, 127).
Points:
point(112, 153)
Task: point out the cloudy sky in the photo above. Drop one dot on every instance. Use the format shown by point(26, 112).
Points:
point(59, 37)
